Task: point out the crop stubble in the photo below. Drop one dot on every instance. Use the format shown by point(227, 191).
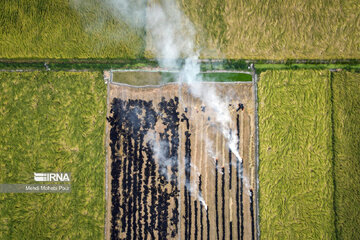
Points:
point(163, 201)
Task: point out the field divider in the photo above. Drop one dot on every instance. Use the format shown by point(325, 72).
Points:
point(176, 71)
point(333, 149)
point(108, 81)
point(255, 87)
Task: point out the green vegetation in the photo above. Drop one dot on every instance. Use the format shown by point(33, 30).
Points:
point(241, 29)
point(101, 64)
point(84, 64)
point(263, 67)
point(346, 112)
point(138, 78)
point(236, 29)
point(226, 77)
point(53, 122)
point(65, 29)
point(296, 168)
point(158, 78)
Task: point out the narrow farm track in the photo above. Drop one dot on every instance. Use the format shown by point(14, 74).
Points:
point(195, 188)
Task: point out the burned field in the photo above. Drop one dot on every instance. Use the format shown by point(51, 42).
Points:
point(170, 172)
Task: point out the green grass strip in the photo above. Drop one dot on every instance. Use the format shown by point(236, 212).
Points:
point(141, 78)
point(296, 66)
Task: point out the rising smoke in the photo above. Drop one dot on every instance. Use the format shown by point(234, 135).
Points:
point(173, 37)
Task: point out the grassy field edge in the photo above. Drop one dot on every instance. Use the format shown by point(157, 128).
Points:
point(206, 65)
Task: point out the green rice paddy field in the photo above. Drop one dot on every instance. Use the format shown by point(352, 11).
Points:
point(346, 112)
point(65, 29)
point(235, 29)
point(308, 190)
point(296, 172)
point(278, 29)
point(53, 122)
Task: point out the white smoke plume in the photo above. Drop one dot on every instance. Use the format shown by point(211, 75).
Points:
point(194, 189)
point(161, 156)
point(173, 38)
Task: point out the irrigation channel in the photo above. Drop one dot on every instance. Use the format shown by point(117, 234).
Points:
point(170, 173)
